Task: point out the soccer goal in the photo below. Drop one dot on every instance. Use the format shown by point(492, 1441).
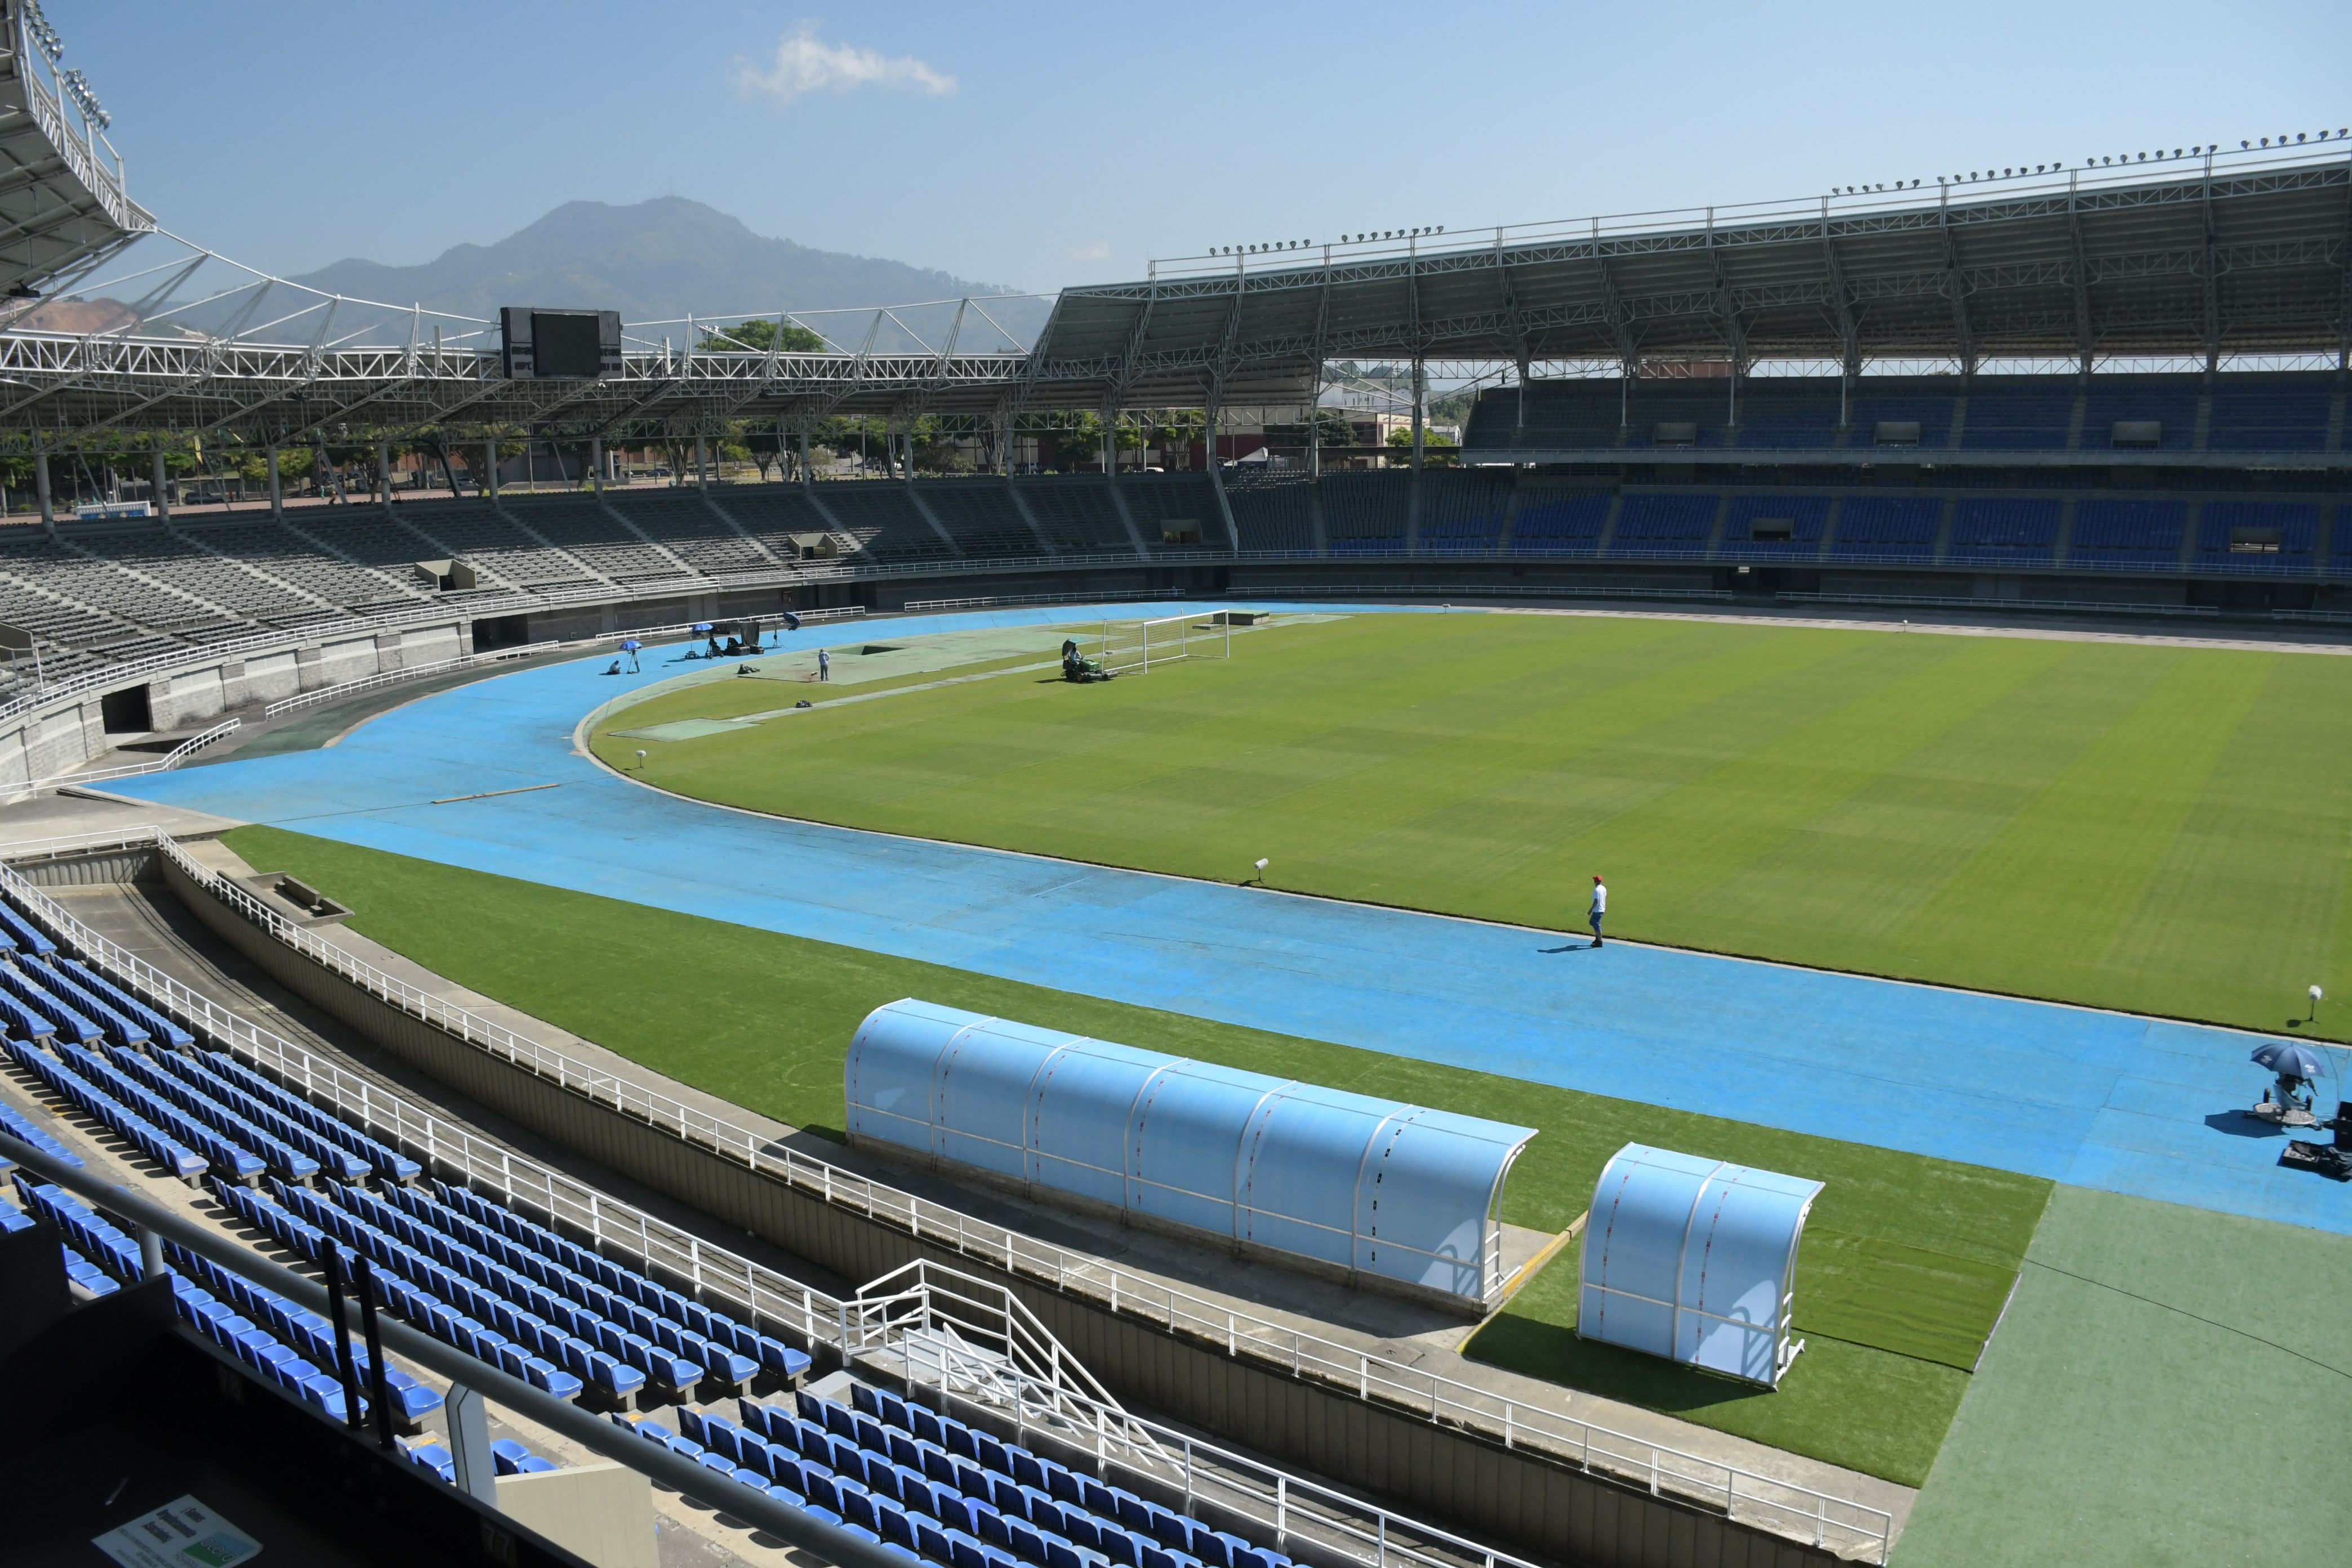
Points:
point(1138, 645)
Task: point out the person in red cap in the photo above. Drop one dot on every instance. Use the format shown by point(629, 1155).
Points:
point(1600, 905)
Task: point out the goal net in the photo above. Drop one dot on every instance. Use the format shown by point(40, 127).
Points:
point(1140, 644)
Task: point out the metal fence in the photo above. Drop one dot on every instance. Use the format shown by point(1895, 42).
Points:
point(413, 672)
point(1783, 1507)
point(171, 758)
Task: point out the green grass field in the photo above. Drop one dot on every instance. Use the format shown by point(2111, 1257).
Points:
point(1905, 1264)
point(2154, 828)
point(2159, 1396)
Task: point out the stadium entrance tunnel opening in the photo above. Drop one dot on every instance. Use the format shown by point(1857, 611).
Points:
point(501, 631)
point(126, 712)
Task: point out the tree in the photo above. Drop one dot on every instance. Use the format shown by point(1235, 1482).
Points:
point(762, 335)
point(1436, 451)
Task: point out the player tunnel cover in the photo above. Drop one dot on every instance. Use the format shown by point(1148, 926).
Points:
point(1692, 1260)
point(1374, 1186)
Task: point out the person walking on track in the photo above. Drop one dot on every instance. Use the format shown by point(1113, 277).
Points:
point(1600, 907)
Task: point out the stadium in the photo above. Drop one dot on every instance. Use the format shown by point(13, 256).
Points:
point(586, 979)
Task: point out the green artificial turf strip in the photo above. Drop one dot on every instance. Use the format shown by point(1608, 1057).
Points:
point(1867, 1409)
point(2153, 829)
point(1904, 1253)
point(2163, 1391)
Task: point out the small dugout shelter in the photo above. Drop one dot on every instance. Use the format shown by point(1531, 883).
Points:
point(1695, 1259)
point(1375, 1192)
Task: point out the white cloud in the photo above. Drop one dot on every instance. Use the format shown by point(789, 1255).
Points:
point(1098, 251)
point(805, 63)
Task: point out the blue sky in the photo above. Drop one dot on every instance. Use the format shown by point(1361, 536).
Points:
point(1048, 144)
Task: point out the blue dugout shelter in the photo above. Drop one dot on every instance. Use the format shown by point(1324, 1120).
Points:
point(1693, 1259)
point(1385, 1191)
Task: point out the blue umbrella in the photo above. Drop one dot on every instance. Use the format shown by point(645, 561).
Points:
point(2292, 1058)
point(702, 625)
point(630, 645)
point(791, 622)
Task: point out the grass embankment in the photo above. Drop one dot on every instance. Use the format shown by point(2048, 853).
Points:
point(1905, 1266)
point(2152, 828)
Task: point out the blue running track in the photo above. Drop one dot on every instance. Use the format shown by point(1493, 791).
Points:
point(2127, 1104)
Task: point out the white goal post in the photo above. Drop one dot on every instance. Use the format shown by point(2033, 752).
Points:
point(1140, 644)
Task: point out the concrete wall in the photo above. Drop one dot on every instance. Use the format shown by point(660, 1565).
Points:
point(603, 1512)
point(1530, 1502)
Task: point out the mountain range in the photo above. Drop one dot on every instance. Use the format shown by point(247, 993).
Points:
point(662, 260)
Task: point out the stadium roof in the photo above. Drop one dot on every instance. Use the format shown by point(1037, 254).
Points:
point(63, 207)
point(2209, 257)
point(2233, 253)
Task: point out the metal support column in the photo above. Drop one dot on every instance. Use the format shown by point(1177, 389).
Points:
point(701, 462)
point(469, 1444)
point(41, 483)
point(384, 469)
point(806, 476)
point(489, 485)
point(1419, 402)
point(597, 463)
point(276, 488)
point(163, 493)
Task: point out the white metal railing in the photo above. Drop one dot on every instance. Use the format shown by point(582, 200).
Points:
point(171, 758)
point(952, 1338)
point(1783, 1507)
point(413, 672)
point(1052, 1391)
point(141, 837)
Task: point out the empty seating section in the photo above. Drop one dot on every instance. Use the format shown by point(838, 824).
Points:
point(1462, 513)
point(1665, 525)
point(2127, 535)
point(893, 1470)
point(373, 537)
point(281, 552)
point(102, 584)
point(1774, 527)
point(1676, 414)
point(2018, 420)
point(1364, 513)
point(783, 517)
point(450, 1262)
point(880, 516)
point(1887, 528)
point(485, 538)
point(2150, 418)
point(1896, 418)
point(2274, 418)
point(1559, 522)
point(1075, 514)
point(49, 618)
point(188, 567)
point(2009, 534)
point(1563, 416)
point(19, 1125)
point(1174, 510)
point(2258, 536)
point(1777, 415)
point(694, 532)
point(1274, 516)
point(584, 529)
point(981, 519)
